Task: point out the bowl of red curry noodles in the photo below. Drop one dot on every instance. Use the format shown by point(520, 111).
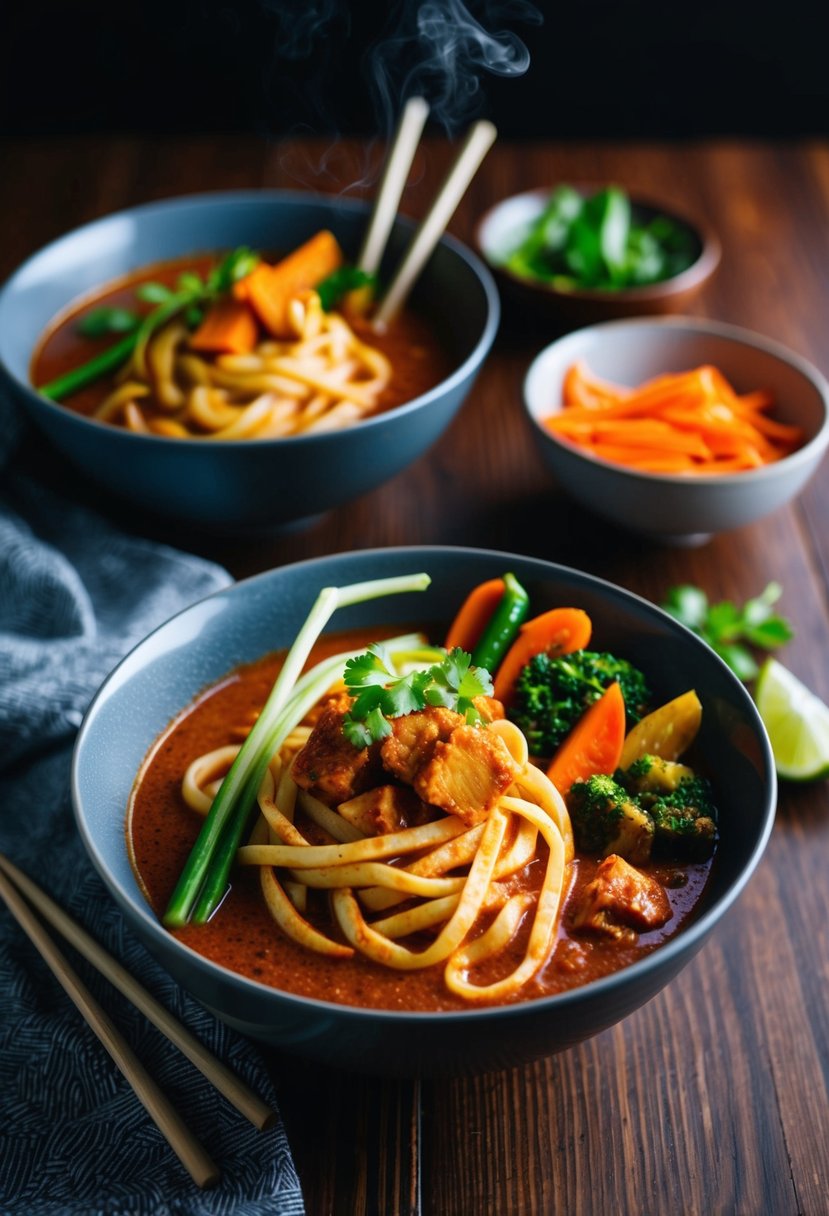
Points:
point(197, 684)
point(253, 405)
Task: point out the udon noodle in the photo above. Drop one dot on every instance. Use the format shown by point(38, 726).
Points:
point(321, 378)
point(455, 882)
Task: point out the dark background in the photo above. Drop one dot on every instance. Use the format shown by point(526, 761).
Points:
point(619, 68)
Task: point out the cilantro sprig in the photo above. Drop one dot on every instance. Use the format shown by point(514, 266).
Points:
point(191, 296)
point(382, 694)
point(727, 628)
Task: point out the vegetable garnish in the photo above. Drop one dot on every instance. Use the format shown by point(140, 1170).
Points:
point(190, 296)
point(685, 422)
point(203, 881)
point(382, 694)
point(726, 627)
point(343, 280)
point(579, 243)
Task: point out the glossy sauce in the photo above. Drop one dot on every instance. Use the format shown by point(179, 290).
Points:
point(418, 359)
point(161, 830)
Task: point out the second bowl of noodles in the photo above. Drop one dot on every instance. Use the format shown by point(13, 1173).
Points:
point(252, 403)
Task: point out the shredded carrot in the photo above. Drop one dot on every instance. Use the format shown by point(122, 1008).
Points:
point(691, 422)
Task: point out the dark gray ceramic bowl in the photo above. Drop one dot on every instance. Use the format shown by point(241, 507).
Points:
point(251, 482)
point(201, 644)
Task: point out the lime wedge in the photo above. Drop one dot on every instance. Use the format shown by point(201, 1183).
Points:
point(797, 722)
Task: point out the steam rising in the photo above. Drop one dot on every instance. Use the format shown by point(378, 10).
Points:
point(435, 48)
point(440, 51)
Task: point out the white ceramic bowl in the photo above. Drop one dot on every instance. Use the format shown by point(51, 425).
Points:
point(676, 506)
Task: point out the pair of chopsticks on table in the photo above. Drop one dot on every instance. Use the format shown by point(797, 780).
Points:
point(14, 886)
point(480, 138)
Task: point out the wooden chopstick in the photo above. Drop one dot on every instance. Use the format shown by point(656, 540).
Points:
point(398, 164)
point(235, 1090)
point(184, 1144)
point(475, 147)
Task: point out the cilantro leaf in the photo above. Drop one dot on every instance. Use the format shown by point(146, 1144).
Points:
point(727, 628)
point(103, 321)
point(340, 282)
point(153, 293)
point(380, 694)
point(234, 267)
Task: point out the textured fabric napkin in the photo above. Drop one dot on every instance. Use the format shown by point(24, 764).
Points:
point(75, 595)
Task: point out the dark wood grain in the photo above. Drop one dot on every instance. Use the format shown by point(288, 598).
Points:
point(712, 1099)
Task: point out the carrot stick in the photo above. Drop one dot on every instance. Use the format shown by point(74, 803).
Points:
point(582, 388)
point(683, 422)
point(229, 328)
point(270, 289)
point(559, 631)
point(467, 627)
point(643, 458)
point(595, 743)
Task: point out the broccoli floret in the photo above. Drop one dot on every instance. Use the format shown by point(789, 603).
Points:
point(653, 775)
point(639, 768)
point(552, 693)
point(606, 819)
point(685, 819)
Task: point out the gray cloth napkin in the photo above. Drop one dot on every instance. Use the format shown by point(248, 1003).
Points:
point(75, 595)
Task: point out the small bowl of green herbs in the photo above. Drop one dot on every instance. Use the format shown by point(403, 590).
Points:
point(585, 254)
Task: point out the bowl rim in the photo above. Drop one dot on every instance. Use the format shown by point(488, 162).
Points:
point(702, 267)
point(684, 943)
point(210, 199)
point(811, 451)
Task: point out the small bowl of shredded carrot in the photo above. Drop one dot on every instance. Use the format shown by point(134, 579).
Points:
point(677, 427)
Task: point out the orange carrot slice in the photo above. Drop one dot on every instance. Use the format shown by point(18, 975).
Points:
point(595, 743)
point(229, 328)
point(467, 627)
point(270, 289)
point(559, 631)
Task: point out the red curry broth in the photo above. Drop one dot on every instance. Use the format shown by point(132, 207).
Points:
point(243, 937)
point(419, 360)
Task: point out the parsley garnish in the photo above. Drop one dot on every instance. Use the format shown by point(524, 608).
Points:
point(381, 694)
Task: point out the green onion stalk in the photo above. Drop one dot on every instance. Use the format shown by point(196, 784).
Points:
point(203, 882)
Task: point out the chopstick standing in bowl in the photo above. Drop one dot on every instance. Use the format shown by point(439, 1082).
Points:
point(398, 164)
point(475, 147)
point(182, 1141)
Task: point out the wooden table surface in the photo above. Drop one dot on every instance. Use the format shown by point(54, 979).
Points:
point(713, 1097)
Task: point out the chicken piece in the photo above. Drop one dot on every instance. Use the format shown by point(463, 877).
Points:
point(467, 774)
point(490, 708)
point(328, 766)
point(410, 745)
point(384, 809)
point(621, 898)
